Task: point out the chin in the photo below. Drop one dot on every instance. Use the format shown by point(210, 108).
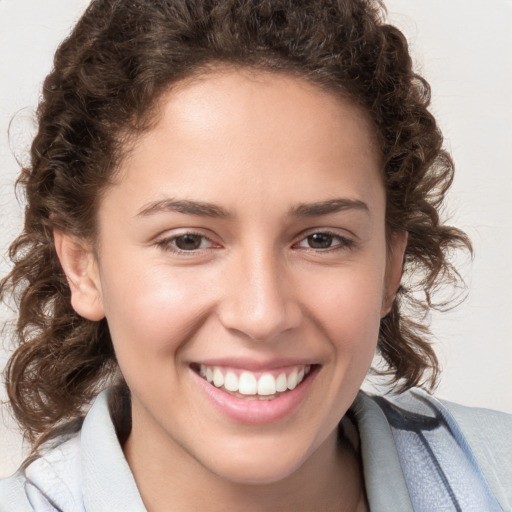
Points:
point(260, 465)
point(257, 473)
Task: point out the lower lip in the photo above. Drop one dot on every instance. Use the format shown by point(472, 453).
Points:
point(256, 412)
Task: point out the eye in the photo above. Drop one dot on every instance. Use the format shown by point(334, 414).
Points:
point(320, 240)
point(324, 240)
point(187, 242)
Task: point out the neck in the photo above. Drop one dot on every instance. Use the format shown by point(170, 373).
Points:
point(329, 480)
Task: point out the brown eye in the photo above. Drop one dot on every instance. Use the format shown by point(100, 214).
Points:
point(326, 242)
point(188, 242)
point(320, 240)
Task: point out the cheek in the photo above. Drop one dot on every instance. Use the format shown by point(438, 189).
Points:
point(154, 309)
point(347, 305)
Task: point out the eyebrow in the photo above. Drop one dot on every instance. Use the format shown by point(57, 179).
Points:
point(186, 206)
point(204, 209)
point(327, 207)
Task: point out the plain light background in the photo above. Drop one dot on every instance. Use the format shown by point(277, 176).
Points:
point(464, 50)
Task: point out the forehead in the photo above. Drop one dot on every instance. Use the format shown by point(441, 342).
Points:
point(253, 132)
point(246, 99)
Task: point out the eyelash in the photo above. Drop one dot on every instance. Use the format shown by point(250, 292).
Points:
point(343, 242)
point(169, 244)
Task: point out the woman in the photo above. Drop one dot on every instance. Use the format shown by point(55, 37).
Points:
point(231, 206)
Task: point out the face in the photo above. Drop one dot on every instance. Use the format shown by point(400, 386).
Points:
point(242, 266)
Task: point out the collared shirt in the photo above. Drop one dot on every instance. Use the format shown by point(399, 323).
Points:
point(419, 454)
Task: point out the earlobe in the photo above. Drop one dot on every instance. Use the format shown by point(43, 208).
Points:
point(394, 269)
point(80, 267)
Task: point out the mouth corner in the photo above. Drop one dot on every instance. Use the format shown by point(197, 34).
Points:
point(195, 367)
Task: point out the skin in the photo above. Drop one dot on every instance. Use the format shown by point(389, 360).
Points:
point(256, 146)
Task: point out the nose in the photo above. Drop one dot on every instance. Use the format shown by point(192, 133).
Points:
point(259, 299)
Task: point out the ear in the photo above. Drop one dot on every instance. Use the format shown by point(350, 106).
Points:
point(80, 266)
point(394, 268)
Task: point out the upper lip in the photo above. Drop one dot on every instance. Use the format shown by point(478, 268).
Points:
point(256, 365)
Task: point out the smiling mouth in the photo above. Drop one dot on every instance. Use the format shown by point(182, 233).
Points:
point(249, 385)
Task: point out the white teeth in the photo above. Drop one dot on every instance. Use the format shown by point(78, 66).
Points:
point(218, 378)
point(247, 384)
point(267, 385)
point(281, 383)
point(231, 382)
point(292, 380)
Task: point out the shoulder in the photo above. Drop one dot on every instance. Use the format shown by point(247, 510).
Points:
point(489, 435)
point(13, 495)
point(487, 432)
point(473, 421)
point(48, 483)
point(82, 471)
point(464, 444)
point(485, 426)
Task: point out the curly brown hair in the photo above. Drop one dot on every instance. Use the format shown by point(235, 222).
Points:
point(107, 78)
